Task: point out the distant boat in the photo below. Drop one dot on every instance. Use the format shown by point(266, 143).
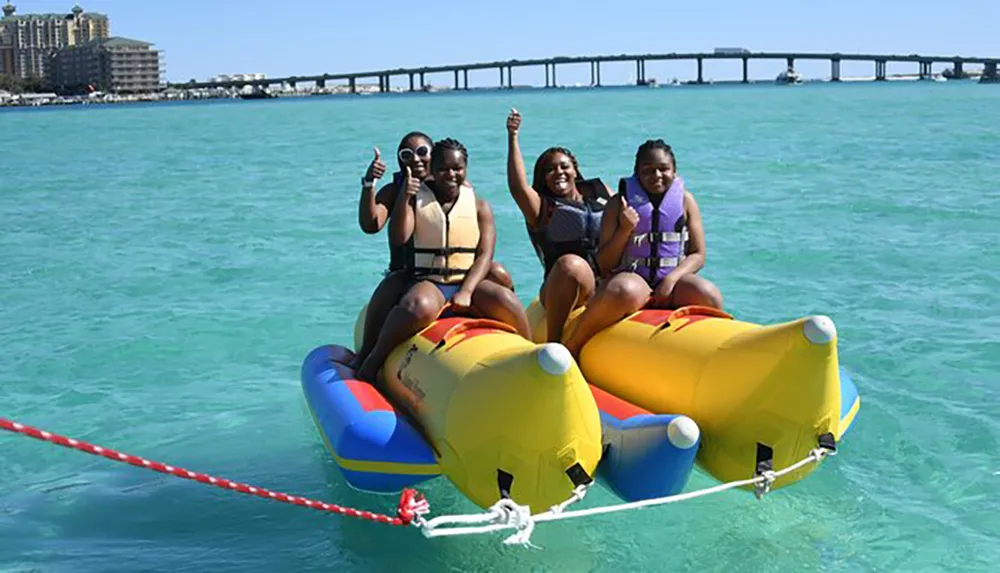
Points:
point(789, 76)
point(257, 94)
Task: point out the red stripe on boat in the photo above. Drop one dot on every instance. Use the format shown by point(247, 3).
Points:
point(435, 332)
point(367, 396)
point(615, 406)
point(652, 317)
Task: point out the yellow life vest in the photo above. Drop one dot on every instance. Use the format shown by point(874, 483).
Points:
point(444, 245)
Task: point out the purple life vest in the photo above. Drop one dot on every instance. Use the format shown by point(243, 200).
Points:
point(659, 241)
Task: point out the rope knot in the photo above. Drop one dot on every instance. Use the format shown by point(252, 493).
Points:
point(412, 506)
point(517, 516)
point(763, 487)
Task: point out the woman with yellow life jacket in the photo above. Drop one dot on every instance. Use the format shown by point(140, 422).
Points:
point(562, 211)
point(653, 242)
point(374, 210)
point(448, 238)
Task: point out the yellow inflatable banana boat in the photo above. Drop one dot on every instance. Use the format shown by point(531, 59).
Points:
point(502, 416)
point(763, 396)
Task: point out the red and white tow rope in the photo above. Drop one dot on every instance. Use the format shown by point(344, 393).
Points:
point(411, 502)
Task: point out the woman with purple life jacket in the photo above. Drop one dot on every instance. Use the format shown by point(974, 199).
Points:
point(652, 245)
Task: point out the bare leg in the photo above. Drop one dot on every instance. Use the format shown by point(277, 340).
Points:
point(499, 275)
point(570, 283)
point(418, 308)
point(622, 295)
point(692, 289)
point(386, 295)
point(493, 301)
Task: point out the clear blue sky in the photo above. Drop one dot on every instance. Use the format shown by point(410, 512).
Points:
point(201, 38)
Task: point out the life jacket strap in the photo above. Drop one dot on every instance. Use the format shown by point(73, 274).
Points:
point(660, 237)
point(432, 271)
point(445, 251)
point(633, 263)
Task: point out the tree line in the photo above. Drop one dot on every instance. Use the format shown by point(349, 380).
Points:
point(18, 85)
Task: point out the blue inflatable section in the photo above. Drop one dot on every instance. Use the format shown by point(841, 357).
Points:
point(375, 448)
point(848, 396)
point(641, 460)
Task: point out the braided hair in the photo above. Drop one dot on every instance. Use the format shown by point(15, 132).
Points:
point(650, 146)
point(538, 179)
point(447, 144)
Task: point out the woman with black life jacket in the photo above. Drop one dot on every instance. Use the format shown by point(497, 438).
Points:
point(448, 239)
point(653, 242)
point(563, 214)
point(374, 210)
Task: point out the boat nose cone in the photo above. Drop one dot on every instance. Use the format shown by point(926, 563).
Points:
point(554, 358)
point(819, 329)
point(683, 432)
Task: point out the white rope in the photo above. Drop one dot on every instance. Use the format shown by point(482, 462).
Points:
point(505, 514)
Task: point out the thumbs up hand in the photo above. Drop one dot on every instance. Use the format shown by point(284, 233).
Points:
point(628, 218)
point(411, 182)
point(376, 169)
point(513, 121)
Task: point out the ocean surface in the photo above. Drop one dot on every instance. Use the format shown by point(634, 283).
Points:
point(164, 269)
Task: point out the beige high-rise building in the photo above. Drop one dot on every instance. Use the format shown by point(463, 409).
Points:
point(117, 65)
point(27, 41)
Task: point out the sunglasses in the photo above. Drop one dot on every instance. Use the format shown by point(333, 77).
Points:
point(406, 154)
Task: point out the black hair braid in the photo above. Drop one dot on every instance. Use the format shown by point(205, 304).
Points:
point(650, 146)
point(448, 144)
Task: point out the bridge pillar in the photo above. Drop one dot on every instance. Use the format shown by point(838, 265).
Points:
point(958, 73)
point(746, 70)
point(593, 74)
point(500, 68)
point(352, 84)
point(321, 84)
point(510, 81)
point(547, 84)
point(465, 78)
point(880, 70)
point(834, 70)
point(456, 79)
point(597, 65)
point(701, 77)
point(291, 84)
point(411, 81)
point(387, 86)
point(555, 84)
point(422, 84)
point(638, 73)
point(925, 70)
point(990, 72)
point(790, 63)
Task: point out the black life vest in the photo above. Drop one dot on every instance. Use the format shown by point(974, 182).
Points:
point(571, 227)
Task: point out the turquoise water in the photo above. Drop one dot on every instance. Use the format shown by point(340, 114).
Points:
point(166, 268)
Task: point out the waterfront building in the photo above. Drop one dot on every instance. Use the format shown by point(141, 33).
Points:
point(27, 41)
point(114, 65)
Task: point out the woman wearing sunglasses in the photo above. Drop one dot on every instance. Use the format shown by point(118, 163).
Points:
point(447, 236)
point(414, 152)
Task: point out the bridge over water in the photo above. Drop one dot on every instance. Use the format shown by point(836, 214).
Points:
point(506, 68)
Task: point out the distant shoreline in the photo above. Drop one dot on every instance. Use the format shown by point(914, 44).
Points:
point(179, 94)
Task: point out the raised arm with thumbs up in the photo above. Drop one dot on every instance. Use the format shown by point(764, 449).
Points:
point(371, 214)
point(402, 221)
point(376, 169)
